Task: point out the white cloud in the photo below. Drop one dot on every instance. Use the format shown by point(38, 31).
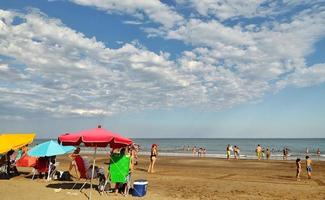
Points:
point(224, 9)
point(133, 22)
point(234, 9)
point(305, 77)
point(62, 72)
point(153, 9)
point(4, 67)
point(55, 70)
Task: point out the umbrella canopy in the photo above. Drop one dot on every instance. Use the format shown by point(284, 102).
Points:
point(97, 137)
point(49, 148)
point(26, 161)
point(14, 141)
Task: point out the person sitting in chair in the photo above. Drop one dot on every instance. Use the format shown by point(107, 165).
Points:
point(11, 167)
point(73, 161)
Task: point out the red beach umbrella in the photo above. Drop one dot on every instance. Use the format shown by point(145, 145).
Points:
point(97, 137)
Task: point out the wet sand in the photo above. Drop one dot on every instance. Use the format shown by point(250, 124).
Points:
point(187, 178)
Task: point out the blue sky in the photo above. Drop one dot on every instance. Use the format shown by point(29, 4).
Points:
point(163, 68)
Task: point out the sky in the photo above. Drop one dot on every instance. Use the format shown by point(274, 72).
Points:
point(169, 68)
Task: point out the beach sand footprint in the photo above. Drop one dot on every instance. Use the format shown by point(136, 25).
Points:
point(319, 182)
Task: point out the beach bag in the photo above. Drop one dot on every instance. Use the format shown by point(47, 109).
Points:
point(4, 176)
point(104, 186)
point(65, 176)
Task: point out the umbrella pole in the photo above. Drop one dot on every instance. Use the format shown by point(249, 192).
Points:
point(48, 173)
point(92, 173)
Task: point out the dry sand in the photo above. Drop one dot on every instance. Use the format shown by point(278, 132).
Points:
point(188, 178)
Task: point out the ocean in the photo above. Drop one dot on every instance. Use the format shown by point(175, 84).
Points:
point(216, 147)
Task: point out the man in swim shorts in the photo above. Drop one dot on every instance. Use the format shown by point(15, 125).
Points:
point(308, 167)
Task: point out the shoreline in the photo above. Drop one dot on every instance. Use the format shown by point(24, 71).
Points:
point(218, 156)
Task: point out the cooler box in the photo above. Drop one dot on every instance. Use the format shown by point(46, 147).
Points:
point(140, 188)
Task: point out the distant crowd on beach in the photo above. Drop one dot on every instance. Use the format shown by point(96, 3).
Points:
point(234, 151)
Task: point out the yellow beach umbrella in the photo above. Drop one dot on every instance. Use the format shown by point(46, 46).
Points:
point(14, 141)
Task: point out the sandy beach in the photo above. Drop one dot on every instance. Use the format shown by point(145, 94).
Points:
point(187, 178)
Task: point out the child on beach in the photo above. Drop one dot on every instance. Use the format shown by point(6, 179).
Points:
point(308, 167)
point(298, 165)
point(318, 153)
point(228, 151)
point(268, 153)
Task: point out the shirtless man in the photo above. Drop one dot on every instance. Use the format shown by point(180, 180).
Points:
point(258, 151)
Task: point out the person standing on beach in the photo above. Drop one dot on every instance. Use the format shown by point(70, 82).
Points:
point(258, 151)
point(228, 151)
point(286, 153)
point(308, 167)
point(236, 152)
point(318, 153)
point(268, 153)
point(298, 165)
point(194, 151)
point(153, 158)
point(204, 152)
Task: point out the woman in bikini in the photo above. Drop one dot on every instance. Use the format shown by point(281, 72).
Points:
point(73, 163)
point(153, 158)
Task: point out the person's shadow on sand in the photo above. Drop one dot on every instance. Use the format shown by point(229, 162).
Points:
point(141, 169)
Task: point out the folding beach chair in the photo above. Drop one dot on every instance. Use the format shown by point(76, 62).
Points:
point(85, 172)
point(42, 166)
point(53, 169)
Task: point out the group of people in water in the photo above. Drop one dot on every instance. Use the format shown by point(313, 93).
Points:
point(198, 151)
point(235, 149)
point(261, 152)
